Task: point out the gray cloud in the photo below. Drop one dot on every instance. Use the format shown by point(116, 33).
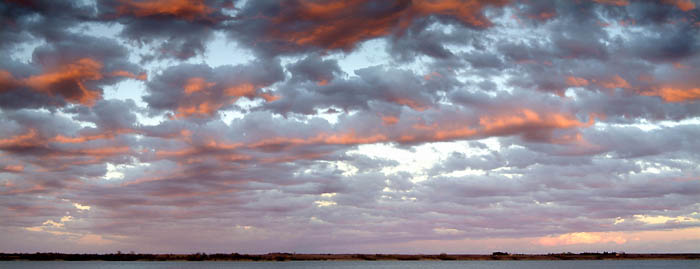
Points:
point(492, 120)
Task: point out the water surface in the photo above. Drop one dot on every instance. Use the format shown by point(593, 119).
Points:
point(604, 264)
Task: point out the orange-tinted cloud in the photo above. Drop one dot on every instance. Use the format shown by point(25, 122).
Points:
point(34, 189)
point(176, 153)
point(72, 140)
point(197, 84)
point(29, 139)
point(214, 145)
point(346, 138)
point(223, 151)
point(245, 89)
point(205, 108)
point(105, 151)
point(527, 118)
point(69, 81)
point(13, 168)
point(522, 122)
point(613, 2)
point(452, 134)
point(542, 15)
point(7, 81)
point(351, 138)
point(330, 33)
point(468, 11)
point(85, 138)
point(432, 75)
point(680, 66)
point(576, 81)
point(185, 9)
point(670, 94)
point(614, 82)
point(322, 82)
point(204, 98)
point(200, 102)
point(74, 81)
point(410, 103)
point(124, 73)
point(389, 120)
point(685, 5)
point(341, 24)
point(268, 97)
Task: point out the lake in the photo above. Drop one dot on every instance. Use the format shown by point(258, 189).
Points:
point(598, 264)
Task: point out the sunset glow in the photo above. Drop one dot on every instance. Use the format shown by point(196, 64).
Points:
point(350, 126)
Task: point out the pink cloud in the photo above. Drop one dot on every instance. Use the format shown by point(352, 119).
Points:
point(581, 238)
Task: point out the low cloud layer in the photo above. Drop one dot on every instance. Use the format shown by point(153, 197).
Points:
point(349, 126)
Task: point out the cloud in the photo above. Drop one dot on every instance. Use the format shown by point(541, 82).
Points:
point(71, 71)
point(613, 2)
point(368, 85)
point(186, 10)
point(580, 238)
point(200, 91)
point(27, 21)
point(348, 126)
point(676, 95)
point(301, 25)
point(664, 219)
point(69, 81)
point(81, 207)
point(175, 29)
point(684, 5)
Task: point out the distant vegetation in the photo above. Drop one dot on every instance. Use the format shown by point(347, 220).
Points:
point(310, 257)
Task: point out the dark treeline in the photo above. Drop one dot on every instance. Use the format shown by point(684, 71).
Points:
point(310, 257)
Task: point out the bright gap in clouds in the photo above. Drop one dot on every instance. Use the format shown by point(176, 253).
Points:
point(222, 51)
point(417, 160)
point(368, 53)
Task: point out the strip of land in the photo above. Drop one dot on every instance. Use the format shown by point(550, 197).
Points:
point(340, 257)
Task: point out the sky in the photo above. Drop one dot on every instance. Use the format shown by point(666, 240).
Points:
point(355, 126)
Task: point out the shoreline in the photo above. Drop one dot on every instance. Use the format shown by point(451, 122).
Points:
point(281, 257)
